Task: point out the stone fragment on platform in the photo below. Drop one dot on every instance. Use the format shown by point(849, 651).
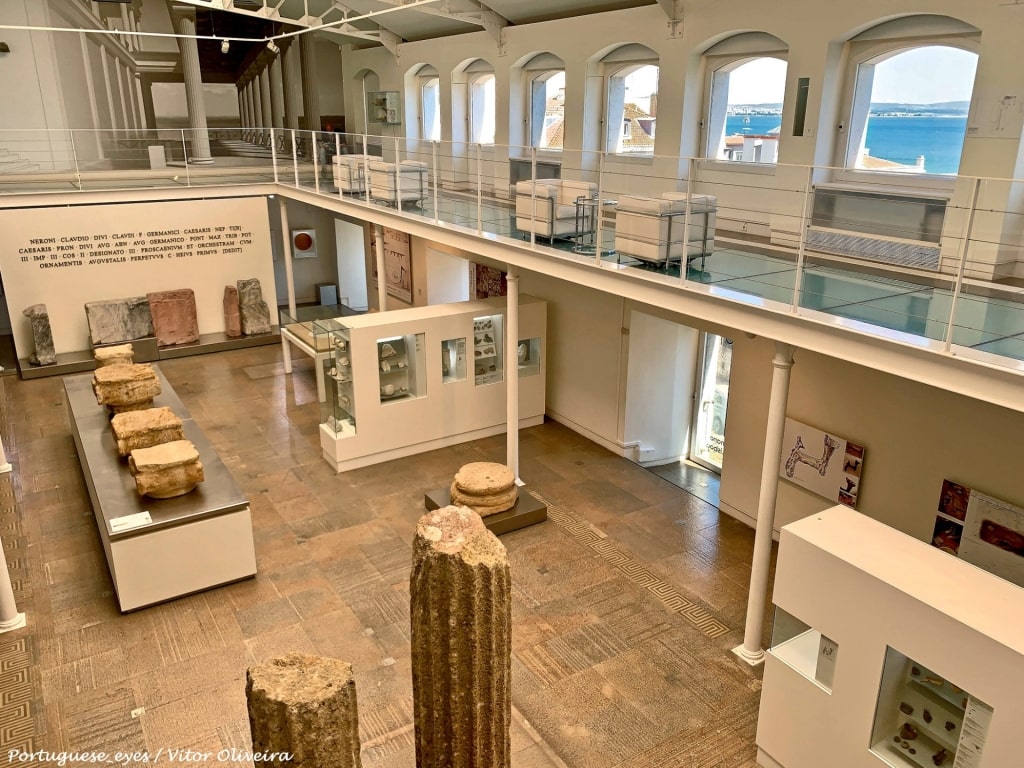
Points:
point(252, 309)
point(167, 470)
point(486, 487)
point(144, 429)
point(461, 620)
point(126, 387)
point(304, 706)
point(115, 320)
point(232, 317)
point(42, 337)
point(174, 316)
point(120, 354)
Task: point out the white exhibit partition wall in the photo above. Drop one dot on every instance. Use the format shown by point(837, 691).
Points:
point(870, 594)
point(67, 257)
point(441, 410)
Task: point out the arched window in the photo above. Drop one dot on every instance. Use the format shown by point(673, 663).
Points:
point(910, 110)
point(631, 100)
point(545, 74)
point(909, 83)
point(430, 105)
point(745, 92)
point(481, 109)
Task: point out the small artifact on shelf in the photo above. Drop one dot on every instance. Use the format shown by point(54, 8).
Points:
point(343, 361)
point(386, 350)
point(940, 757)
point(908, 732)
point(387, 390)
point(126, 387)
point(522, 353)
point(385, 366)
point(925, 715)
point(165, 471)
point(144, 429)
point(42, 336)
point(906, 709)
point(486, 487)
point(950, 725)
point(119, 354)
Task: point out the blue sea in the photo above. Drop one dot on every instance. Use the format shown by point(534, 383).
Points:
point(900, 139)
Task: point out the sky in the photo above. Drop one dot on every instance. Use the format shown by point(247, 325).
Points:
point(919, 76)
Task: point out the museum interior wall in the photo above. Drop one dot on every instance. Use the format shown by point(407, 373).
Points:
point(307, 272)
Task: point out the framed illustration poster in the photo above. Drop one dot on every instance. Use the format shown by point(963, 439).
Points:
point(823, 463)
point(398, 264)
point(982, 530)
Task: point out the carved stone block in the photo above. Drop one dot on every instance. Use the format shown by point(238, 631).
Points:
point(144, 429)
point(116, 320)
point(255, 318)
point(232, 318)
point(126, 387)
point(165, 471)
point(42, 337)
point(304, 706)
point(461, 617)
point(249, 291)
point(120, 354)
point(174, 316)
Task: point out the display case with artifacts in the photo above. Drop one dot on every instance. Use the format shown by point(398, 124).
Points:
point(399, 367)
point(487, 350)
point(453, 360)
point(528, 357)
point(338, 410)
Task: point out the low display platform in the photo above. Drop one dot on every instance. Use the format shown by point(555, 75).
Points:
point(528, 510)
point(160, 549)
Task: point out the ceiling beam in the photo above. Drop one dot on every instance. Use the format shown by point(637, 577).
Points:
point(674, 10)
point(468, 12)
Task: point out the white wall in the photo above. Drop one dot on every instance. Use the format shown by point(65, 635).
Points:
point(351, 255)
point(659, 387)
point(914, 437)
point(447, 277)
point(306, 272)
point(66, 280)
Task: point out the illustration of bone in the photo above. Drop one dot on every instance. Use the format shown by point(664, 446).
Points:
point(817, 463)
point(851, 465)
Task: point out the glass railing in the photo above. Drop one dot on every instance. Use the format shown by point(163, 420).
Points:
point(938, 265)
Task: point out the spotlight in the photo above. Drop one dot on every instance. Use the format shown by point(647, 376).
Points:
point(272, 47)
point(225, 46)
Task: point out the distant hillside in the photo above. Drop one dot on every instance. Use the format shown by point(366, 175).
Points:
point(937, 108)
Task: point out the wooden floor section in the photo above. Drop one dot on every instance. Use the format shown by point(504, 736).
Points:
point(625, 602)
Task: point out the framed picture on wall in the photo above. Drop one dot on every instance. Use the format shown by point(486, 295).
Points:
point(398, 265)
point(384, 107)
point(823, 463)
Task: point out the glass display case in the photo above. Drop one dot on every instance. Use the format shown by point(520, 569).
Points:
point(338, 410)
point(487, 350)
point(401, 364)
point(528, 357)
point(453, 360)
point(923, 719)
point(804, 649)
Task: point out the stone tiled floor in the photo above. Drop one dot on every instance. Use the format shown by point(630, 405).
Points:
point(626, 602)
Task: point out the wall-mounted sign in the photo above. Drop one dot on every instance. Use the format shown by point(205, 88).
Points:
point(823, 463)
point(398, 264)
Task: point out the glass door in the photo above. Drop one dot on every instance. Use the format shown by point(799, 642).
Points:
point(714, 364)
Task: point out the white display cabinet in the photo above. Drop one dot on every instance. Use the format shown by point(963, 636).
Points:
point(407, 373)
point(888, 652)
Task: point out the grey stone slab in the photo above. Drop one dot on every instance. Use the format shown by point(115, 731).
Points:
point(249, 291)
point(115, 320)
point(255, 318)
point(42, 336)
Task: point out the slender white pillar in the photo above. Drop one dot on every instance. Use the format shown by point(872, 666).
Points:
point(286, 249)
point(146, 89)
point(144, 122)
point(382, 288)
point(276, 93)
point(782, 366)
point(257, 104)
point(185, 24)
point(91, 89)
point(120, 69)
point(310, 95)
point(241, 106)
point(250, 105)
point(105, 61)
point(512, 373)
point(5, 465)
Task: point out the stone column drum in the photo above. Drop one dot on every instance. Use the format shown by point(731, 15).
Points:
point(126, 387)
point(42, 336)
point(461, 618)
point(166, 470)
point(232, 318)
point(120, 354)
point(144, 429)
point(303, 707)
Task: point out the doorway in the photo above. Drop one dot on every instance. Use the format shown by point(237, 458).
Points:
point(710, 404)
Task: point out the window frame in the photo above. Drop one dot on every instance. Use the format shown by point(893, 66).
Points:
point(614, 71)
point(475, 88)
point(537, 106)
point(424, 82)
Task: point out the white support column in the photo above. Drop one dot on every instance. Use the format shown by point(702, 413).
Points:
point(512, 372)
point(121, 69)
point(250, 103)
point(310, 77)
point(267, 120)
point(382, 289)
point(108, 89)
point(286, 250)
point(241, 106)
point(276, 93)
point(132, 105)
point(184, 17)
point(144, 123)
point(5, 465)
point(257, 103)
point(10, 619)
point(290, 75)
point(782, 366)
point(91, 88)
